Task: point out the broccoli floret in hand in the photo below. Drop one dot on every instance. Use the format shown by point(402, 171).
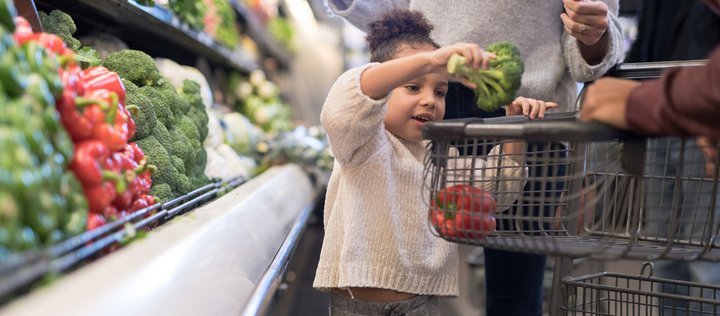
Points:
point(497, 85)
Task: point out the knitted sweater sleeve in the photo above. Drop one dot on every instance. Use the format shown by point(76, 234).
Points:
point(353, 121)
point(580, 70)
point(361, 12)
point(498, 174)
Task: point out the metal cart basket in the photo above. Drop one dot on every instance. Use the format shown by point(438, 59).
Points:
point(609, 293)
point(577, 190)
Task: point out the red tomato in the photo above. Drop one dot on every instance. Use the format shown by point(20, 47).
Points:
point(463, 211)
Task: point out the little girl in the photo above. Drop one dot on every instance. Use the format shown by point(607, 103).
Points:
point(379, 256)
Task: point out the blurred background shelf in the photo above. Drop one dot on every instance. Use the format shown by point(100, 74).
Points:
point(154, 30)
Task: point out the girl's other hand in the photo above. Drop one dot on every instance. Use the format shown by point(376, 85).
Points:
point(529, 107)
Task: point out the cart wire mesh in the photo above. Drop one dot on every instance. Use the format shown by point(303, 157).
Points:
point(609, 293)
point(572, 189)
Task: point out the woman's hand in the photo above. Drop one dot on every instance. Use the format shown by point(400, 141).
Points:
point(476, 57)
point(586, 21)
point(529, 107)
point(606, 101)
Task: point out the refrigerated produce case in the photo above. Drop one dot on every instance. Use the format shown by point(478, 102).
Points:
point(219, 249)
point(214, 260)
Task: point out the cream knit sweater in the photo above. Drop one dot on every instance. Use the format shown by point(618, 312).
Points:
point(553, 63)
point(376, 221)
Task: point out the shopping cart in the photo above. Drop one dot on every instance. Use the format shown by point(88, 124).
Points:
point(609, 293)
point(583, 192)
point(578, 190)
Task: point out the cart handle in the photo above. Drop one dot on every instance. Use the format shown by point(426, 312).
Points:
point(650, 70)
point(560, 128)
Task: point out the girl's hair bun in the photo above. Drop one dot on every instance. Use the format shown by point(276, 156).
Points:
point(397, 23)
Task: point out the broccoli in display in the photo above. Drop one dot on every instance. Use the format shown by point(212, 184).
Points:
point(135, 66)
point(178, 163)
point(161, 105)
point(60, 24)
point(495, 86)
point(141, 110)
point(162, 191)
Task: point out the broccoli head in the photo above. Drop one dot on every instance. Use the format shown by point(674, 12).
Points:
point(135, 66)
point(172, 98)
point(187, 126)
point(199, 181)
point(178, 163)
point(158, 156)
point(60, 24)
point(181, 147)
point(163, 136)
point(162, 191)
point(161, 104)
point(496, 86)
point(141, 111)
point(200, 118)
point(181, 184)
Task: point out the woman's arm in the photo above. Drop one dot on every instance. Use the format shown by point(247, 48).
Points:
point(361, 12)
point(592, 41)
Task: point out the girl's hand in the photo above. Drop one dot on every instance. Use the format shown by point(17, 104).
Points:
point(529, 107)
point(586, 21)
point(476, 57)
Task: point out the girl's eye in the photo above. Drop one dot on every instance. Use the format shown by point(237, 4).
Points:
point(440, 93)
point(412, 88)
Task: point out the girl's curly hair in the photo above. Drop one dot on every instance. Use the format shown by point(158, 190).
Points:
point(396, 29)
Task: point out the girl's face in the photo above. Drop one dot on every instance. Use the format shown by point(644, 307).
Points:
point(416, 102)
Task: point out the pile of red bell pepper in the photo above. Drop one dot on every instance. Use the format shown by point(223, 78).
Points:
point(463, 212)
point(114, 173)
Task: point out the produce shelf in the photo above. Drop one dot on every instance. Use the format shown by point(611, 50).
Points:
point(20, 271)
point(220, 259)
point(154, 30)
point(262, 37)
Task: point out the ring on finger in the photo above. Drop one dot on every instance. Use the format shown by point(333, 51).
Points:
point(583, 28)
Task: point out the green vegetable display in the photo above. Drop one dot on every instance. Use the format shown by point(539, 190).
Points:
point(60, 24)
point(133, 65)
point(171, 123)
point(496, 86)
point(41, 201)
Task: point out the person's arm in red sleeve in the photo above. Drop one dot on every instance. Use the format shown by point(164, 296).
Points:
point(683, 102)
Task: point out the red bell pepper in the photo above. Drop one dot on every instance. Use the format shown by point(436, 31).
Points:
point(98, 78)
point(99, 172)
point(100, 196)
point(23, 31)
point(53, 44)
point(95, 220)
point(78, 126)
point(142, 202)
point(88, 163)
point(463, 211)
point(130, 123)
point(109, 127)
point(110, 213)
